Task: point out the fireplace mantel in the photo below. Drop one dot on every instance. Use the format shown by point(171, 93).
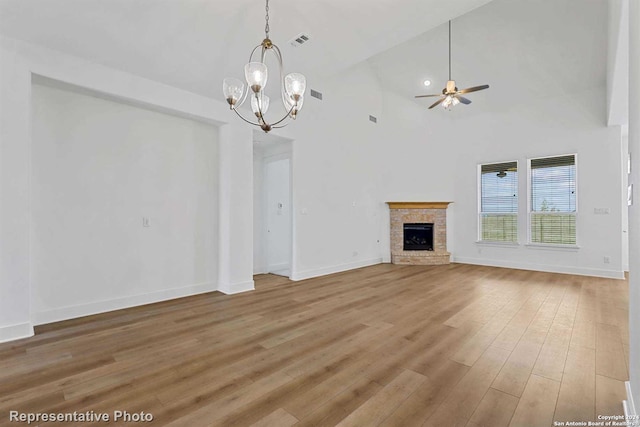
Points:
point(418, 205)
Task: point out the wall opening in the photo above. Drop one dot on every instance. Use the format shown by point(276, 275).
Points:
point(273, 205)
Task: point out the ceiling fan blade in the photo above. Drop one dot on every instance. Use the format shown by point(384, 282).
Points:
point(438, 102)
point(474, 89)
point(427, 96)
point(464, 100)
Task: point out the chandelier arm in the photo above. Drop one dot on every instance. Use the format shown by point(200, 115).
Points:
point(263, 53)
point(244, 97)
point(283, 91)
point(250, 122)
point(278, 54)
point(254, 51)
point(261, 120)
point(280, 127)
point(285, 117)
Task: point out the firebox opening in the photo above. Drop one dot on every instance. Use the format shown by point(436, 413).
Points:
point(418, 237)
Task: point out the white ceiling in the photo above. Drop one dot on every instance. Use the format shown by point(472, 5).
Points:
point(522, 48)
point(194, 44)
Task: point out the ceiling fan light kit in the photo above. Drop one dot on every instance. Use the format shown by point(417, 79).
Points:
point(292, 86)
point(450, 95)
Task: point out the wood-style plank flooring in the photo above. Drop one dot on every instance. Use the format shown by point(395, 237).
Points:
point(387, 345)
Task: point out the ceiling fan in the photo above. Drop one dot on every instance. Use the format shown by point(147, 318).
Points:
point(451, 95)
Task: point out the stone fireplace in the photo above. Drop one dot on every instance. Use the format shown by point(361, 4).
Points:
point(419, 233)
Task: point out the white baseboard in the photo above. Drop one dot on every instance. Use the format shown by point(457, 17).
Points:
point(609, 274)
point(16, 332)
point(302, 275)
point(236, 288)
point(629, 405)
point(72, 312)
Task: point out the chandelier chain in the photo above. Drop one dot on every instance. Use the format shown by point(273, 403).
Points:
point(266, 18)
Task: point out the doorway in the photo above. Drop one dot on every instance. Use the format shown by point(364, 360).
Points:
point(273, 213)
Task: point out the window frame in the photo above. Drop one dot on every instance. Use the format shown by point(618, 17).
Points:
point(479, 212)
point(530, 212)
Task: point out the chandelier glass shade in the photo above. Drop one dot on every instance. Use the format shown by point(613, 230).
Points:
point(292, 86)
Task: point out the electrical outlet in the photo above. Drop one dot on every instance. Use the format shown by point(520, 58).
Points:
point(607, 260)
point(145, 221)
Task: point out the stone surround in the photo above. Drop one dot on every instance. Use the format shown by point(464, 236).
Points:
point(419, 212)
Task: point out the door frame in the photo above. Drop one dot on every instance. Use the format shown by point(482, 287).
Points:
point(268, 147)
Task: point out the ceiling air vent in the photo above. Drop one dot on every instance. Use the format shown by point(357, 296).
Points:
point(316, 94)
point(373, 119)
point(300, 39)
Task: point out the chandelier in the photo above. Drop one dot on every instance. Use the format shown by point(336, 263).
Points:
point(292, 86)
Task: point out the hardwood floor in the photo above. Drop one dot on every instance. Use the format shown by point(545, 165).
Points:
point(455, 345)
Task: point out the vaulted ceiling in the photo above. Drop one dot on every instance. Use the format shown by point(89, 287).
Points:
point(194, 44)
point(521, 48)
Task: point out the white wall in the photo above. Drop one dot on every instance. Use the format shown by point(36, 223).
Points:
point(418, 154)
point(259, 261)
point(235, 225)
point(345, 168)
point(19, 61)
point(337, 207)
point(99, 167)
point(339, 158)
point(416, 160)
point(634, 211)
point(624, 164)
point(15, 84)
point(544, 127)
point(618, 63)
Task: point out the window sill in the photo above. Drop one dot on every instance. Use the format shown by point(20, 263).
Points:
point(552, 247)
point(498, 244)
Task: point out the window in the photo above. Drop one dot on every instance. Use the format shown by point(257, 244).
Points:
point(552, 209)
point(498, 216)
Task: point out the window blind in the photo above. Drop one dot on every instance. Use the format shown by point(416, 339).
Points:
point(552, 214)
point(498, 217)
